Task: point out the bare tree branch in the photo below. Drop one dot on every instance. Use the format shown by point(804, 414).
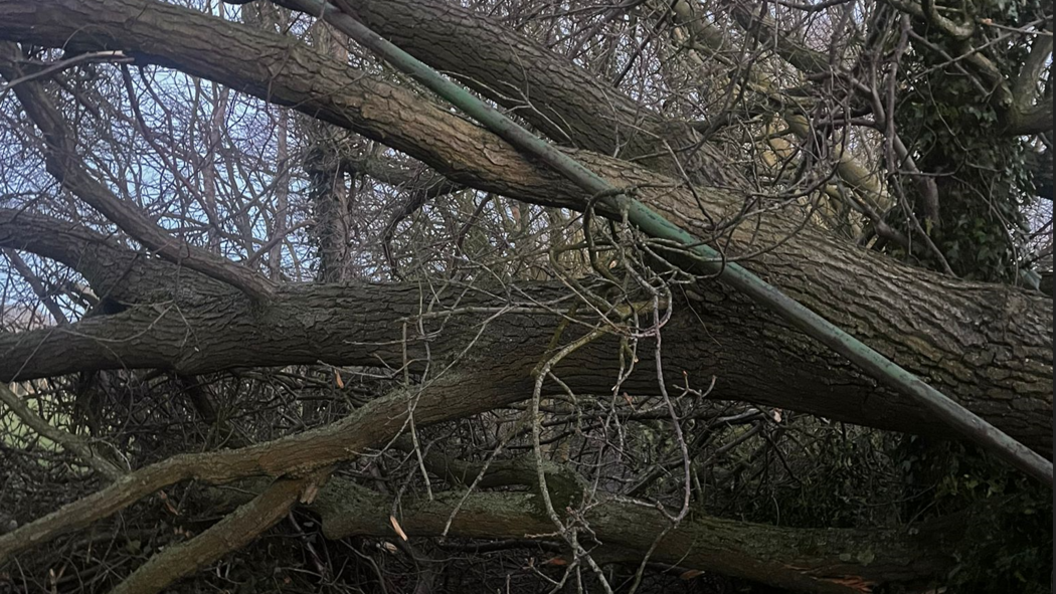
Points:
point(62, 162)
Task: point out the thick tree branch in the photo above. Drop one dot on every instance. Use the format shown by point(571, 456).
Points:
point(114, 271)
point(374, 424)
point(708, 40)
point(811, 62)
point(823, 561)
point(998, 368)
point(362, 325)
point(1014, 99)
point(1033, 120)
point(970, 425)
point(235, 531)
point(1026, 88)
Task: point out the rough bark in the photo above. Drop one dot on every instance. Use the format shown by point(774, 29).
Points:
point(115, 272)
point(451, 397)
point(172, 318)
point(330, 199)
point(987, 346)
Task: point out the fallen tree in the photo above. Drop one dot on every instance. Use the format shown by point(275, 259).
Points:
point(466, 347)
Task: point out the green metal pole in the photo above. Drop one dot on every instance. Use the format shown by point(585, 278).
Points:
point(654, 225)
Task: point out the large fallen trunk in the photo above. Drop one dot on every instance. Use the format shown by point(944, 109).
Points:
point(193, 325)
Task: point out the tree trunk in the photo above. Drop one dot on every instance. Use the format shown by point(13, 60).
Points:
point(826, 561)
point(722, 335)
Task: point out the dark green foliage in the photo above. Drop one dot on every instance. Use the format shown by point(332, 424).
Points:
point(956, 129)
point(981, 176)
point(1007, 516)
point(845, 476)
point(840, 478)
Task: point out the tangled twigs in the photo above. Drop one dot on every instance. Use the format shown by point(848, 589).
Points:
point(374, 423)
point(70, 442)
